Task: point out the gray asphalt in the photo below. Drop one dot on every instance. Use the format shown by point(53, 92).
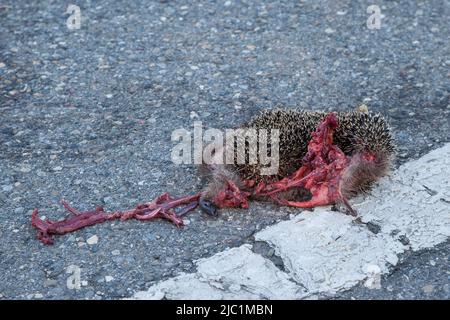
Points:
point(87, 115)
point(421, 275)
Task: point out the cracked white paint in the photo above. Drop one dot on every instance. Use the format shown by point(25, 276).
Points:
point(236, 273)
point(414, 202)
point(325, 251)
point(328, 251)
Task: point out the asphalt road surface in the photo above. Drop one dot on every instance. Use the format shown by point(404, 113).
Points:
point(87, 116)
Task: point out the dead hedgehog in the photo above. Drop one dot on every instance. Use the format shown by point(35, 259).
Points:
point(324, 158)
point(348, 152)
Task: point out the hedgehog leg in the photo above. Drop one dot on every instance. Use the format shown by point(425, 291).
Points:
point(320, 199)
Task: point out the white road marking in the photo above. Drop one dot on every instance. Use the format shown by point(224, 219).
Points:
point(236, 273)
point(327, 251)
point(415, 202)
point(324, 251)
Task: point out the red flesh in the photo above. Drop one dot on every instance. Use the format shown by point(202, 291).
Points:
point(232, 197)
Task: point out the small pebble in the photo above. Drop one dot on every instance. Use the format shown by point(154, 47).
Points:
point(428, 288)
point(18, 210)
point(40, 173)
point(363, 108)
point(194, 115)
point(214, 223)
point(92, 240)
point(50, 283)
point(25, 168)
point(7, 188)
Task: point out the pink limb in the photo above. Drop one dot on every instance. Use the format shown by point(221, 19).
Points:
point(162, 207)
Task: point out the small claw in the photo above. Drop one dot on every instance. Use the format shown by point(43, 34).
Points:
point(208, 207)
point(73, 211)
point(351, 211)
